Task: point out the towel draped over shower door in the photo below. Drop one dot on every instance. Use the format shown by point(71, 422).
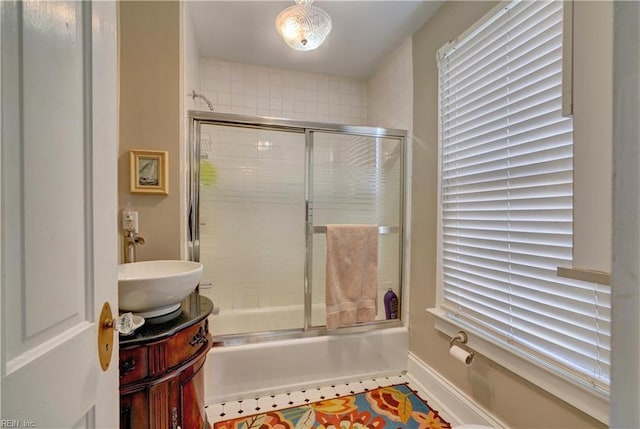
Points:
point(351, 274)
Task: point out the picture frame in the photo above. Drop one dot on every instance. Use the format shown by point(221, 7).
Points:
point(149, 171)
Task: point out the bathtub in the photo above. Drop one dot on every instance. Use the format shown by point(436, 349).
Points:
point(277, 366)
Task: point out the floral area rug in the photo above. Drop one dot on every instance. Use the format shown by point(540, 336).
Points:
point(385, 407)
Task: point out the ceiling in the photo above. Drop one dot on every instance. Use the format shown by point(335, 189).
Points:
point(363, 33)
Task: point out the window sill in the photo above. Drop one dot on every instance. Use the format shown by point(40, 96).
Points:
point(576, 392)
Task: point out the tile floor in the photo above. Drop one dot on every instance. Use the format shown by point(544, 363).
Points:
point(249, 406)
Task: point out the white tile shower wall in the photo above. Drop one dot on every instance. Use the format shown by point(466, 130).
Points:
point(390, 90)
point(264, 91)
point(390, 105)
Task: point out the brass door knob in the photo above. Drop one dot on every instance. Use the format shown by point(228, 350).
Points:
point(107, 326)
point(105, 336)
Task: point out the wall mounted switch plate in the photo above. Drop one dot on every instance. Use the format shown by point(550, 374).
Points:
point(130, 221)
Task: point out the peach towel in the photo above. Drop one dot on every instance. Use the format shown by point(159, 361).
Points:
point(351, 274)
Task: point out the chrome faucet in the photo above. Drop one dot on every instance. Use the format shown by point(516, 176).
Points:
point(131, 240)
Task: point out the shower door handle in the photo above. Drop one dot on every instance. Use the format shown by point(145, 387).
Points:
point(309, 211)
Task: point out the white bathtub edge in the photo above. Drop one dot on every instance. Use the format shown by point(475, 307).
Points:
point(447, 398)
point(253, 370)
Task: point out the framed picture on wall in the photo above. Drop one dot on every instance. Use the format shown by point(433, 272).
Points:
point(149, 170)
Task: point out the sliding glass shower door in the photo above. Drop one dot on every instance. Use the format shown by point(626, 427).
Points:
point(252, 211)
point(263, 191)
point(356, 179)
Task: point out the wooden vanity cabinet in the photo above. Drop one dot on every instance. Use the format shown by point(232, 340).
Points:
point(162, 372)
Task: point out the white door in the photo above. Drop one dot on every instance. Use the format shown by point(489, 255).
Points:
point(59, 204)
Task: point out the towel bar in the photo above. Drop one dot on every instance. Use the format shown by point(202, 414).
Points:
point(381, 229)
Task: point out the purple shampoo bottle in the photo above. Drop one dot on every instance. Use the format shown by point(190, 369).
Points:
point(391, 305)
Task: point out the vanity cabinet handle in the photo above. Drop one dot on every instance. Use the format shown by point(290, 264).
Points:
point(127, 366)
point(125, 418)
point(201, 336)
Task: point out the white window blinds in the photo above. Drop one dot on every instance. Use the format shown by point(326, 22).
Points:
point(506, 195)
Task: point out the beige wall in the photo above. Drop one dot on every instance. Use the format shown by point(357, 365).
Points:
point(593, 133)
point(150, 115)
point(512, 399)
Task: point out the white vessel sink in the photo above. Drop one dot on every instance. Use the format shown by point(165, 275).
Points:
point(155, 288)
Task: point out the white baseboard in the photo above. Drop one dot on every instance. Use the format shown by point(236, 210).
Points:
point(450, 400)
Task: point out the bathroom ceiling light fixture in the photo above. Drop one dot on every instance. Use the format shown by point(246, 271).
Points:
point(303, 26)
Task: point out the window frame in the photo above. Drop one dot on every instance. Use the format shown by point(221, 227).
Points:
point(537, 371)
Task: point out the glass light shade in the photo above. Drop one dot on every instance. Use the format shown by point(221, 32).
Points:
point(303, 26)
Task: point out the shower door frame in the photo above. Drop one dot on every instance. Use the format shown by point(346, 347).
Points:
point(198, 118)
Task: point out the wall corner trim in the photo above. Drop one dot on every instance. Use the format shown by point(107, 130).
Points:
point(451, 401)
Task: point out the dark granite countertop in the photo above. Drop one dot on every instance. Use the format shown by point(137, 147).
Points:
point(192, 310)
